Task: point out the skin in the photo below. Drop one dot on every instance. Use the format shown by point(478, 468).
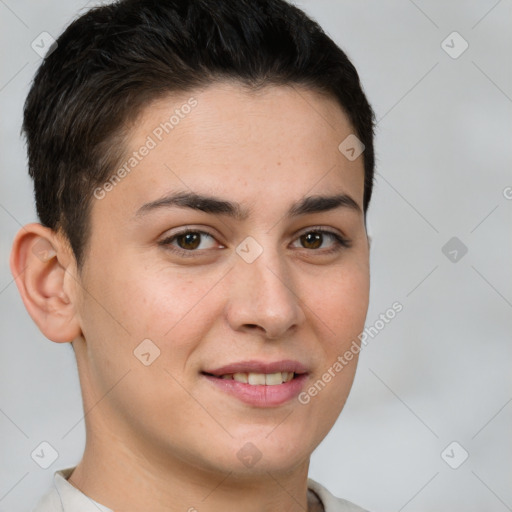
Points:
point(161, 437)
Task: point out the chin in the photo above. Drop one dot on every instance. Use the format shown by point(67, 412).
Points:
point(279, 448)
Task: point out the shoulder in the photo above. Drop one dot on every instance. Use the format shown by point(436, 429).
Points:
point(332, 503)
point(50, 502)
point(63, 497)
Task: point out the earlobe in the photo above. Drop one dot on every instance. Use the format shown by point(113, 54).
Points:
point(39, 263)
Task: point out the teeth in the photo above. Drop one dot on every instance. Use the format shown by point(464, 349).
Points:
point(260, 379)
point(256, 378)
point(240, 377)
point(271, 379)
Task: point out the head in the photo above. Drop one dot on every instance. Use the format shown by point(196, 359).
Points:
point(200, 217)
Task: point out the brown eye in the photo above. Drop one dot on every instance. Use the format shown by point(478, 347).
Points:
point(312, 240)
point(321, 241)
point(189, 241)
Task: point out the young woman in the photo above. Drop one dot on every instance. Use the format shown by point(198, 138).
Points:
point(202, 173)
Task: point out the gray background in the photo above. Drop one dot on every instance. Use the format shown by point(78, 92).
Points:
point(440, 371)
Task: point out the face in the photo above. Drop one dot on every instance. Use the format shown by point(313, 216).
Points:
point(227, 272)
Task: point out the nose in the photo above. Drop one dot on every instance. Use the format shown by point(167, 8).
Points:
point(263, 298)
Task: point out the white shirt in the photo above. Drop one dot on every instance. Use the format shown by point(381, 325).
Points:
point(63, 497)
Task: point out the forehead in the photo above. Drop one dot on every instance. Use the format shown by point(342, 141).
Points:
point(230, 141)
point(233, 114)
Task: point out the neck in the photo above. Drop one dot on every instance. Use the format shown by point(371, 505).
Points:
point(124, 476)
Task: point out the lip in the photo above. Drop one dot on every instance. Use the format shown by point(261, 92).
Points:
point(286, 365)
point(260, 395)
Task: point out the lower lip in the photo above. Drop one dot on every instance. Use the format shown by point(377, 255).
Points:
point(261, 395)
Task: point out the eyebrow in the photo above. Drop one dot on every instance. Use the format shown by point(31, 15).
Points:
point(217, 206)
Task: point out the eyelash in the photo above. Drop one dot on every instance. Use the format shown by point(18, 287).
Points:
point(340, 242)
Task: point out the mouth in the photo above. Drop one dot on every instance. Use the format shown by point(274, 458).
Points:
point(260, 384)
point(257, 379)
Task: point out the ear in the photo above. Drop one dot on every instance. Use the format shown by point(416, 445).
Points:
point(44, 269)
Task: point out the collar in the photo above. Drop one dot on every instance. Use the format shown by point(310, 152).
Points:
point(64, 497)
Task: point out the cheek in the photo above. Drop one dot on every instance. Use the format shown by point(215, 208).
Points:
point(339, 309)
point(340, 302)
point(172, 301)
point(173, 308)
point(340, 313)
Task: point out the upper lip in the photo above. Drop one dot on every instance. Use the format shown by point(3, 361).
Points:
point(286, 365)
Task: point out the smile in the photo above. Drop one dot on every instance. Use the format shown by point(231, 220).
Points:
point(258, 383)
point(260, 379)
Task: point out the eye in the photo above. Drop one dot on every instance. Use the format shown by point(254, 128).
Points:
point(189, 240)
point(315, 239)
